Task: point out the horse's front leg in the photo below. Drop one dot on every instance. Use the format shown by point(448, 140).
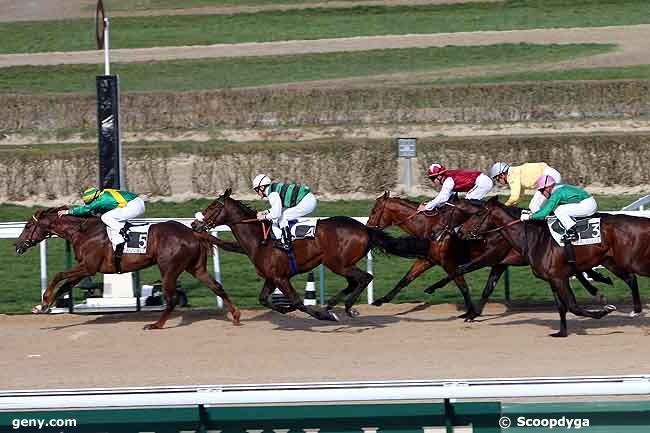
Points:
point(419, 267)
point(73, 276)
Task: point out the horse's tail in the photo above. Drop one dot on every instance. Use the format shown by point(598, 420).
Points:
point(207, 241)
point(406, 246)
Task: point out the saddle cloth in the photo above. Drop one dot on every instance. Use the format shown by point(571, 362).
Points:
point(137, 243)
point(588, 230)
point(299, 230)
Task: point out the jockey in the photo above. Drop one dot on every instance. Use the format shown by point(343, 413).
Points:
point(289, 201)
point(475, 183)
point(523, 177)
point(115, 208)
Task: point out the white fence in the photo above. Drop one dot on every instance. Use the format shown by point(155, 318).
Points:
point(11, 230)
point(325, 392)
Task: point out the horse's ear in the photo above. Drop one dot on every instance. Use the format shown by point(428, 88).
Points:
point(227, 193)
point(387, 193)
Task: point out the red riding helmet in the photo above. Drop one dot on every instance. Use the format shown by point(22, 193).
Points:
point(435, 170)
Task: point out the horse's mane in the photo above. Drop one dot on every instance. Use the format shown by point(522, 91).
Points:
point(407, 200)
point(240, 204)
point(514, 212)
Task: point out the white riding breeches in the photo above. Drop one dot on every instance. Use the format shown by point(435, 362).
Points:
point(482, 186)
point(115, 218)
point(306, 206)
point(584, 208)
point(538, 198)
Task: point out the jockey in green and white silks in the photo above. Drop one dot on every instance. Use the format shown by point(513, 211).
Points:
point(289, 201)
point(566, 201)
point(114, 208)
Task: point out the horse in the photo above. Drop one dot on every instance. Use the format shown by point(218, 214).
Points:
point(403, 213)
point(624, 250)
point(495, 251)
point(171, 245)
point(446, 250)
point(339, 243)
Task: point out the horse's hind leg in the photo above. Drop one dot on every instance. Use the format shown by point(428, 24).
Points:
point(593, 290)
point(416, 270)
point(631, 281)
point(203, 276)
point(360, 280)
point(469, 305)
point(296, 303)
point(168, 279)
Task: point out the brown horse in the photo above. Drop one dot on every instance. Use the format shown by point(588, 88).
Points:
point(403, 213)
point(448, 251)
point(340, 242)
point(624, 250)
point(171, 245)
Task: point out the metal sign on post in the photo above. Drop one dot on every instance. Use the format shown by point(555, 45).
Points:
point(406, 148)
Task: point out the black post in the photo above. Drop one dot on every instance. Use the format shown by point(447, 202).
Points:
point(111, 174)
point(68, 265)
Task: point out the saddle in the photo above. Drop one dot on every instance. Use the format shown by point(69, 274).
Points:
point(587, 228)
point(299, 230)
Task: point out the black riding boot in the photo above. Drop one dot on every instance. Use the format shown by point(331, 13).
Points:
point(570, 252)
point(124, 231)
point(119, 249)
point(286, 239)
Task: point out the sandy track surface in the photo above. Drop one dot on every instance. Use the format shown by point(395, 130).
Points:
point(33, 10)
point(394, 342)
point(632, 41)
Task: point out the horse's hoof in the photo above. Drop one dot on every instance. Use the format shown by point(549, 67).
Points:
point(471, 319)
point(333, 317)
point(559, 334)
point(634, 314)
point(466, 315)
point(609, 308)
point(378, 303)
point(151, 326)
point(352, 312)
point(40, 309)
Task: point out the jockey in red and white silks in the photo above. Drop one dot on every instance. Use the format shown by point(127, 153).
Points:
point(474, 183)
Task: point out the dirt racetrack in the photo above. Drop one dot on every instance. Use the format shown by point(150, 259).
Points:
point(404, 341)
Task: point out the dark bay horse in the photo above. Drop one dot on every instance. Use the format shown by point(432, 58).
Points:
point(171, 245)
point(339, 244)
point(624, 250)
point(448, 251)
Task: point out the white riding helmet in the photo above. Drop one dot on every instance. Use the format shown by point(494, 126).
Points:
point(499, 168)
point(261, 180)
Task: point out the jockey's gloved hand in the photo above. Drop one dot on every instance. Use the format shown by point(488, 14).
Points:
point(63, 212)
point(525, 216)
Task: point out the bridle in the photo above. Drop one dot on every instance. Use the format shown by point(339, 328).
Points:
point(266, 228)
point(398, 223)
point(476, 235)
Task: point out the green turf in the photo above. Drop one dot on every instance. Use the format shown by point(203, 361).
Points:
point(132, 5)
point(21, 273)
point(256, 71)
point(136, 32)
point(640, 72)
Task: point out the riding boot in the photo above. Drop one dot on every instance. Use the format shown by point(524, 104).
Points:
point(285, 243)
point(570, 254)
point(119, 250)
point(124, 231)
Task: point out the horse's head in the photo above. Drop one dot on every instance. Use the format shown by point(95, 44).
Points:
point(378, 215)
point(214, 215)
point(482, 220)
point(37, 228)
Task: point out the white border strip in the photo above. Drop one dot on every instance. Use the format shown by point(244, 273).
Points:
point(323, 392)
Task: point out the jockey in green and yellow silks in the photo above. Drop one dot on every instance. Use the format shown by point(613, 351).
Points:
point(114, 207)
